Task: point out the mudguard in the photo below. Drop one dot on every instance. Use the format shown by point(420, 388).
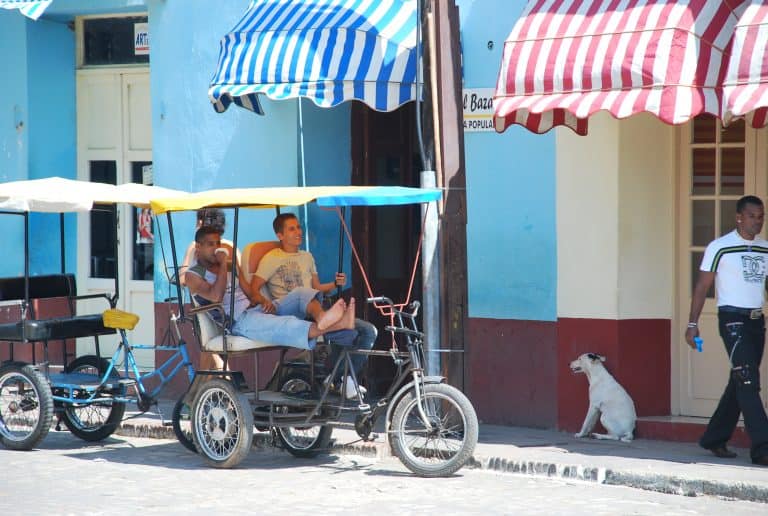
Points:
point(400, 393)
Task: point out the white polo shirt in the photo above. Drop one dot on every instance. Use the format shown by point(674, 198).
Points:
point(740, 266)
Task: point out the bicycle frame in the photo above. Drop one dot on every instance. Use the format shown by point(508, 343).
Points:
point(178, 359)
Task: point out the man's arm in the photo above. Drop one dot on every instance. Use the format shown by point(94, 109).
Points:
point(339, 281)
point(703, 284)
point(213, 292)
point(182, 273)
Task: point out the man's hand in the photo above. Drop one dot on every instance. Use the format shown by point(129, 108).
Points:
point(222, 255)
point(267, 307)
point(341, 279)
point(690, 334)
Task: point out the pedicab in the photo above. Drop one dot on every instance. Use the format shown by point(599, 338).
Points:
point(88, 393)
point(431, 426)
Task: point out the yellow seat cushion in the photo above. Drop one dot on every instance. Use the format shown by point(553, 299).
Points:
point(119, 319)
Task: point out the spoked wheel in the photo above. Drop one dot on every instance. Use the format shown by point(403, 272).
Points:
point(442, 449)
point(222, 424)
point(96, 420)
point(182, 425)
point(26, 406)
point(301, 441)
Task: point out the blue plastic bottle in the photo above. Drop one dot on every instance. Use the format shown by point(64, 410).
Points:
point(699, 342)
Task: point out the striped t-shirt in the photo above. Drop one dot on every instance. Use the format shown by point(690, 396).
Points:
point(740, 266)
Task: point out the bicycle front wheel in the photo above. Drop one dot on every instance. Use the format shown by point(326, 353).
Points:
point(440, 449)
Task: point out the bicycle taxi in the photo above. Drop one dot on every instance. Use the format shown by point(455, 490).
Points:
point(431, 426)
point(88, 393)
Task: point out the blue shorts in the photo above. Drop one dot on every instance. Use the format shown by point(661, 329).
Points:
point(285, 330)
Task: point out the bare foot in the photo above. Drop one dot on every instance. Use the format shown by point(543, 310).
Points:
point(332, 315)
point(348, 321)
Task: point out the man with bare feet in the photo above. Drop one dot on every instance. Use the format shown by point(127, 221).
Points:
point(287, 282)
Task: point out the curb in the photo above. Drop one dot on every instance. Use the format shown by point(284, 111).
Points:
point(650, 482)
point(661, 483)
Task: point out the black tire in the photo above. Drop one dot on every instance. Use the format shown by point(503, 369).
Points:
point(305, 441)
point(182, 425)
point(94, 421)
point(26, 406)
point(222, 424)
point(445, 448)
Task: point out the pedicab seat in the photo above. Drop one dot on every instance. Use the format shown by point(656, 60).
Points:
point(43, 287)
point(210, 332)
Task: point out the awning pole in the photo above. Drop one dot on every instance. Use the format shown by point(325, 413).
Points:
point(303, 168)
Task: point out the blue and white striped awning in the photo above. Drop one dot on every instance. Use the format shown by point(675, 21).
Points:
point(329, 51)
point(28, 8)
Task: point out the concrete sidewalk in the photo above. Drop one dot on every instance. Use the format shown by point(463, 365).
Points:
point(669, 467)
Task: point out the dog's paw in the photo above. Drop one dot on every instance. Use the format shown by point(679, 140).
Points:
point(579, 435)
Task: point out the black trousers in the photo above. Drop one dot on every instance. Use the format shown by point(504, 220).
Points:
point(744, 340)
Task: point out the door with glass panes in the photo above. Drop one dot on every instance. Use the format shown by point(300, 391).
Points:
point(114, 137)
point(718, 165)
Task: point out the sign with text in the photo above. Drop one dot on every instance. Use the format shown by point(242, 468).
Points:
point(141, 39)
point(478, 109)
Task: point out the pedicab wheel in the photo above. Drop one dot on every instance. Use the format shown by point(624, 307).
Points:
point(26, 406)
point(301, 441)
point(182, 426)
point(95, 420)
point(441, 450)
point(222, 424)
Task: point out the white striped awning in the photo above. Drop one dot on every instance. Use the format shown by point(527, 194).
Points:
point(31, 9)
point(745, 86)
point(329, 51)
point(566, 59)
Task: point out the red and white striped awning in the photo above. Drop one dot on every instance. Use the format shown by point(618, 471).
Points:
point(566, 59)
point(745, 86)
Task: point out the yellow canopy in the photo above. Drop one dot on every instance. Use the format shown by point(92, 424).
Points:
point(251, 197)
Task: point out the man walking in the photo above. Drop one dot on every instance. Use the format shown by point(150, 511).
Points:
point(736, 263)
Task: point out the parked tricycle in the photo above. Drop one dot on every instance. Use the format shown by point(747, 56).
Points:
point(431, 426)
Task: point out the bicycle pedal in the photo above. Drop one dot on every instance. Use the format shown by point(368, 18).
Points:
point(167, 423)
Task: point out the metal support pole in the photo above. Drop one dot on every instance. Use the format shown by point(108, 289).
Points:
point(430, 273)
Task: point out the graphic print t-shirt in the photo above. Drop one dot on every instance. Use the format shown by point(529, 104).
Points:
point(740, 266)
point(284, 272)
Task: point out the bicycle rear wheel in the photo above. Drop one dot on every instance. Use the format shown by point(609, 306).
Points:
point(182, 425)
point(222, 424)
point(301, 441)
point(26, 406)
point(444, 448)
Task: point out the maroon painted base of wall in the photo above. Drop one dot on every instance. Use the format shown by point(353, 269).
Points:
point(518, 371)
point(684, 432)
point(637, 354)
point(511, 372)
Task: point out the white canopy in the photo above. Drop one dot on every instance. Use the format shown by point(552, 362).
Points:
point(57, 195)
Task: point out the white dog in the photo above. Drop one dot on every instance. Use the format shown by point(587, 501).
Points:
point(607, 399)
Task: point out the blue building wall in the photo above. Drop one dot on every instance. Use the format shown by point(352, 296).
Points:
point(14, 137)
point(52, 134)
point(511, 232)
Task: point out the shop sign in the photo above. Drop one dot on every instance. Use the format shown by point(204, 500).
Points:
point(141, 39)
point(478, 109)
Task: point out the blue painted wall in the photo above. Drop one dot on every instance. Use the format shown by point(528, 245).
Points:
point(52, 134)
point(511, 232)
point(14, 138)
